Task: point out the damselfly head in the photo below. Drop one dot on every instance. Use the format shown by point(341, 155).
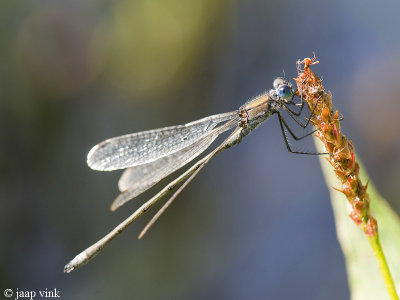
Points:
point(283, 89)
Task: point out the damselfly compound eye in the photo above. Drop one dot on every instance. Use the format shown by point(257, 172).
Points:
point(285, 92)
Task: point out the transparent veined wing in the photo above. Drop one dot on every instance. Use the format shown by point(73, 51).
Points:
point(147, 146)
point(136, 180)
point(135, 177)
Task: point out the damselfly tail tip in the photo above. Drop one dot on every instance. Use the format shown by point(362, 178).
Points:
point(68, 268)
point(79, 260)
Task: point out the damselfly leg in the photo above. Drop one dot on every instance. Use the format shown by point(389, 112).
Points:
point(283, 125)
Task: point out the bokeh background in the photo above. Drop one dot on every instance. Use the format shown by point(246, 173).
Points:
point(256, 223)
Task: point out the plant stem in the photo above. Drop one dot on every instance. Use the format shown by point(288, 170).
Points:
point(380, 257)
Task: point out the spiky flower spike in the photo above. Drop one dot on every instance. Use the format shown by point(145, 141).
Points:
point(342, 158)
point(340, 149)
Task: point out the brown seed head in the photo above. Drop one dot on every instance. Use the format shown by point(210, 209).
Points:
point(339, 148)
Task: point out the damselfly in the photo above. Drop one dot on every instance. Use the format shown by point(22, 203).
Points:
point(149, 156)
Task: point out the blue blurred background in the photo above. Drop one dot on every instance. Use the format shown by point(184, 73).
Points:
point(256, 223)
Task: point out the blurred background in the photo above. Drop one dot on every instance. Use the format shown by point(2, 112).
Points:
point(257, 222)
